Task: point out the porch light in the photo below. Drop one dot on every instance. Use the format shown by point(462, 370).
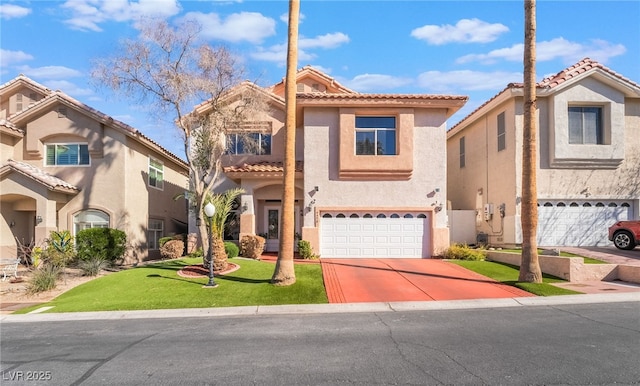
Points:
point(38, 219)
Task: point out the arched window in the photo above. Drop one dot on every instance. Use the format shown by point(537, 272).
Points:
point(561, 204)
point(613, 204)
point(368, 215)
point(600, 204)
point(354, 215)
point(326, 215)
point(340, 215)
point(395, 215)
point(381, 215)
point(421, 215)
point(624, 205)
point(90, 218)
point(586, 204)
point(573, 204)
point(548, 204)
point(408, 215)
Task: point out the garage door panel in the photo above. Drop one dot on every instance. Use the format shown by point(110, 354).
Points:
point(581, 225)
point(374, 237)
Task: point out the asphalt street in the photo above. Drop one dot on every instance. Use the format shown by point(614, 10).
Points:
point(577, 344)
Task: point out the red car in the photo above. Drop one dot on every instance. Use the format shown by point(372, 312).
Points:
point(625, 234)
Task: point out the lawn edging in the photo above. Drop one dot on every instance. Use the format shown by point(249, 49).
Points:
point(573, 269)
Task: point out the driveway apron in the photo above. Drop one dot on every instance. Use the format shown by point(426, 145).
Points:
point(396, 280)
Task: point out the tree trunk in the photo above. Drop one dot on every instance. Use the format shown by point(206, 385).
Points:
point(529, 266)
point(284, 273)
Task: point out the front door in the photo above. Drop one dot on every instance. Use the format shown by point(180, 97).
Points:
point(272, 227)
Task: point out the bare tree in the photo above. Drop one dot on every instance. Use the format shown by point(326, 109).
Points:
point(529, 266)
point(284, 273)
point(173, 72)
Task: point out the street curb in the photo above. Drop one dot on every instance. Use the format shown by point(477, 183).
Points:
point(300, 309)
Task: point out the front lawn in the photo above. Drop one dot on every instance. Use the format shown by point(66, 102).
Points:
point(158, 286)
point(508, 274)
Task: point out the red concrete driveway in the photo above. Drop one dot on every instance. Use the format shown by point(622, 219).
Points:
point(395, 280)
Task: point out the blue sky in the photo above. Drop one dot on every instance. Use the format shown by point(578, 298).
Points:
point(469, 48)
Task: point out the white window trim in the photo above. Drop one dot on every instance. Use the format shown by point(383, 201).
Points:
point(149, 172)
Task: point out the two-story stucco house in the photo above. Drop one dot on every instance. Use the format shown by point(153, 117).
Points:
point(588, 170)
point(371, 170)
point(66, 166)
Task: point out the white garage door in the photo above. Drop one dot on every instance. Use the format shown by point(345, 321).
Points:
point(383, 236)
point(579, 223)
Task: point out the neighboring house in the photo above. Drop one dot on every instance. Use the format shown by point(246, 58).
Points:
point(370, 170)
point(588, 170)
point(66, 166)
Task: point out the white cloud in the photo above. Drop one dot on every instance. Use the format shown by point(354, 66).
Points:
point(68, 88)
point(252, 27)
point(10, 57)
point(558, 48)
point(330, 40)
point(467, 80)
point(11, 11)
point(87, 15)
point(376, 82)
point(278, 53)
point(50, 72)
point(465, 31)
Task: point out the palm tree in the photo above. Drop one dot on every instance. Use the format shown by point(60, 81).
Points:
point(284, 273)
point(529, 266)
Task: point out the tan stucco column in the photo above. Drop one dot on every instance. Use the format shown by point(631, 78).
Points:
point(247, 216)
point(46, 210)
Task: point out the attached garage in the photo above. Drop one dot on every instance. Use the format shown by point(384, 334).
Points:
point(375, 235)
point(579, 222)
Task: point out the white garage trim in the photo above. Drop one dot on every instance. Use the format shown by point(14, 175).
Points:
point(375, 234)
point(579, 222)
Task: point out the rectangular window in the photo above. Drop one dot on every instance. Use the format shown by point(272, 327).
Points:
point(462, 150)
point(249, 143)
point(502, 136)
point(68, 154)
point(585, 125)
point(154, 233)
point(376, 136)
point(156, 173)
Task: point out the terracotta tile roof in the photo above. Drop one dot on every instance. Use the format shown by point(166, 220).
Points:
point(328, 96)
point(581, 67)
point(50, 181)
point(261, 167)
point(9, 125)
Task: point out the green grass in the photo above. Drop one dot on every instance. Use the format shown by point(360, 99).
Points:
point(587, 260)
point(508, 274)
point(158, 286)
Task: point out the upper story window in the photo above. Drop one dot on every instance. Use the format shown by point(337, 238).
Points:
point(156, 173)
point(462, 150)
point(502, 136)
point(585, 125)
point(67, 154)
point(249, 143)
point(376, 136)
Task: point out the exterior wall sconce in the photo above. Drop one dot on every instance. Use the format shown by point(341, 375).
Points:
point(38, 219)
point(12, 224)
point(198, 221)
point(316, 188)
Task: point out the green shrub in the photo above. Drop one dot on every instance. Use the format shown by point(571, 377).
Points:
point(463, 252)
point(231, 249)
point(93, 266)
point(59, 251)
point(198, 253)
point(44, 278)
point(105, 243)
point(305, 250)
